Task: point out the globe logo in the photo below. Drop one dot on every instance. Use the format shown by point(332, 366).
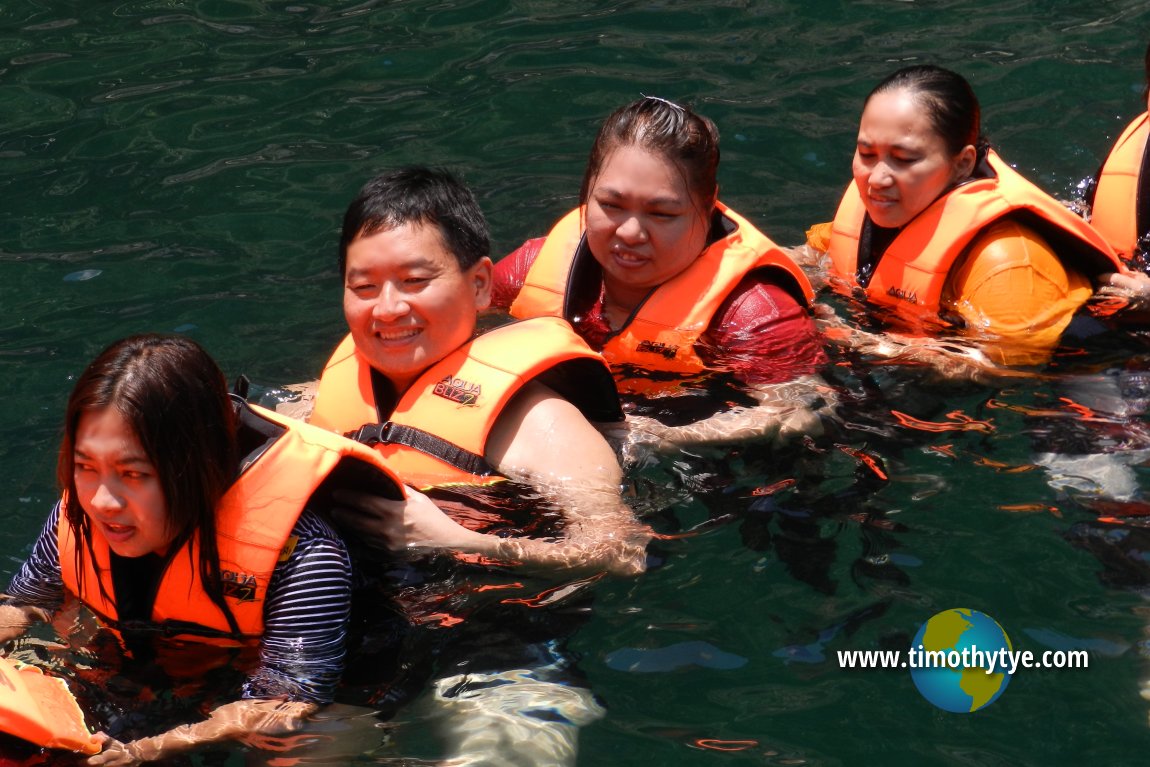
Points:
point(957, 660)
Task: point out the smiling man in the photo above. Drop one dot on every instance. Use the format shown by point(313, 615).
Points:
point(496, 430)
point(447, 408)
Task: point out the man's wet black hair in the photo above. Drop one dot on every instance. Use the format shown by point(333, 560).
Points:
point(419, 195)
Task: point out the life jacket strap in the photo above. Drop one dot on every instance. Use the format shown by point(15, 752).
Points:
point(391, 433)
point(172, 628)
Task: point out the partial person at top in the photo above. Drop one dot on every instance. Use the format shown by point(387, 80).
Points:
point(1118, 205)
point(1096, 460)
point(944, 238)
point(675, 288)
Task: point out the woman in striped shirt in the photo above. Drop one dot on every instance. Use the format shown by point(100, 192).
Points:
point(150, 536)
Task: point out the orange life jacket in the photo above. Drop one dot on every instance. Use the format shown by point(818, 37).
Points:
point(912, 272)
point(41, 710)
point(438, 432)
point(253, 531)
point(1115, 209)
point(660, 336)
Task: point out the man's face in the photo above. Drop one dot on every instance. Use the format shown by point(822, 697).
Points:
point(407, 302)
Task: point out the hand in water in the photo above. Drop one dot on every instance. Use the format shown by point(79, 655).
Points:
point(614, 541)
point(1135, 283)
point(237, 720)
point(14, 621)
point(414, 523)
point(1127, 292)
point(114, 753)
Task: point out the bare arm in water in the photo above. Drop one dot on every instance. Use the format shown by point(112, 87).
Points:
point(543, 441)
point(1123, 298)
point(783, 412)
point(239, 720)
point(949, 359)
point(247, 721)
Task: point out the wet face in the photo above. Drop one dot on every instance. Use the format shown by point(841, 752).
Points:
point(643, 225)
point(901, 164)
point(117, 486)
point(407, 302)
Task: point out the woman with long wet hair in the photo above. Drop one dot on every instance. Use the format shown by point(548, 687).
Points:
point(184, 522)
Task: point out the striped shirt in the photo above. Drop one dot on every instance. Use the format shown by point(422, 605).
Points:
point(305, 615)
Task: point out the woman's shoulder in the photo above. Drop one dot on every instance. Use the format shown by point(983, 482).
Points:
point(511, 272)
point(760, 299)
point(521, 258)
point(311, 527)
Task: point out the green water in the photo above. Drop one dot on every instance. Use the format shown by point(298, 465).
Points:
point(182, 166)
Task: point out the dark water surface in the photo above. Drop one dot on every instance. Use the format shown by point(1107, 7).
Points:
point(182, 166)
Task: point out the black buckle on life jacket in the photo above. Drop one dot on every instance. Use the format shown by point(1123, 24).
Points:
point(372, 433)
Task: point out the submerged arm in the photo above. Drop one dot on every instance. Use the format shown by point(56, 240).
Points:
point(37, 590)
point(545, 442)
point(239, 720)
point(767, 340)
point(782, 412)
point(949, 359)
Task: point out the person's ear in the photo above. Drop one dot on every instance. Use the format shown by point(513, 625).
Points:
point(480, 277)
point(965, 162)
